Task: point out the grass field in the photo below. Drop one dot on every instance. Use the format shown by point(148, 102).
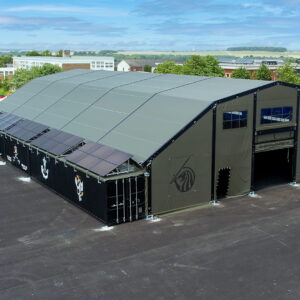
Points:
point(292, 54)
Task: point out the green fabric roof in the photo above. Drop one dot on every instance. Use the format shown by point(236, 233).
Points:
point(131, 111)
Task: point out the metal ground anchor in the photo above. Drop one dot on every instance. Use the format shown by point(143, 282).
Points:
point(151, 218)
point(294, 183)
point(214, 203)
point(252, 194)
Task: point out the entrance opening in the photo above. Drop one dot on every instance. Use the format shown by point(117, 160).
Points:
point(223, 183)
point(273, 167)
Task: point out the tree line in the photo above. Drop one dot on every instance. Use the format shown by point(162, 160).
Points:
point(195, 65)
point(44, 53)
point(209, 66)
point(265, 49)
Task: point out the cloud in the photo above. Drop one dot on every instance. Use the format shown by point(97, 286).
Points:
point(70, 24)
point(268, 9)
point(117, 44)
point(227, 28)
point(216, 8)
point(168, 7)
point(154, 24)
point(90, 10)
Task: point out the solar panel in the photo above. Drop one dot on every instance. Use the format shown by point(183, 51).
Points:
point(57, 142)
point(7, 120)
point(98, 158)
point(26, 129)
point(244, 61)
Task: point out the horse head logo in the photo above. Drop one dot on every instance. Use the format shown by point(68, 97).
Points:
point(184, 179)
point(79, 187)
point(44, 169)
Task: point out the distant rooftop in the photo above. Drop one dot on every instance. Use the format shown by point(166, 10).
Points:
point(151, 62)
point(62, 59)
point(249, 61)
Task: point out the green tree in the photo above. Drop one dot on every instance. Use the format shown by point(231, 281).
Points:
point(59, 53)
point(263, 73)
point(147, 68)
point(169, 67)
point(202, 66)
point(22, 76)
point(241, 73)
point(6, 59)
point(288, 73)
point(46, 53)
point(6, 85)
point(33, 53)
point(46, 69)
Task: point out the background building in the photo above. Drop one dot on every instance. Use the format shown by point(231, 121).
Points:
point(137, 65)
point(228, 65)
point(252, 65)
point(6, 72)
point(125, 145)
point(66, 63)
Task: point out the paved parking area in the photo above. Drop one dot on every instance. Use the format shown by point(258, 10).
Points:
point(246, 248)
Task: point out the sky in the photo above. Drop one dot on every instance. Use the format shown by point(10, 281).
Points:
point(161, 25)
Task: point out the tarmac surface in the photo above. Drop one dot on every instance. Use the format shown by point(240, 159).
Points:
point(246, 248)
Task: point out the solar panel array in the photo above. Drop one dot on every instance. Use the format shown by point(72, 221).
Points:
point(98, 158)
point(57, 142)
point(7, 120)
point(26, 129)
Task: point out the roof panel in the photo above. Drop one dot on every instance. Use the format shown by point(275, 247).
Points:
point(122, 79)
point(57, 142)
point(35, 87)
point(107, 112)
point(103, 168)
point(128, 143)
point(26, 129)
point(216, 88)
point(8, 120)
point(79, 98)
point(98, 158)
point(135, 112)
point(116, 156)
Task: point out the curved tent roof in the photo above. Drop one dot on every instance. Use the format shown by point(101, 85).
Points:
point(134, 112)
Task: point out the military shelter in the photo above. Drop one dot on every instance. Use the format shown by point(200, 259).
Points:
point(125, 145)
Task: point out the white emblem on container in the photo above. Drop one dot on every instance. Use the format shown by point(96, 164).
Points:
point(44, 169)
point(79, 187)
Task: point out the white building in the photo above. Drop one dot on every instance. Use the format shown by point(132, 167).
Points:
point(6, 72)
point(66, 63)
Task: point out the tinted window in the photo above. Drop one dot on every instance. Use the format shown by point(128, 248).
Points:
point(276, 115)
point(235, 119)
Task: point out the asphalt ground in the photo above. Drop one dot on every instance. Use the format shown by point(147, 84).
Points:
point(246, 248)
